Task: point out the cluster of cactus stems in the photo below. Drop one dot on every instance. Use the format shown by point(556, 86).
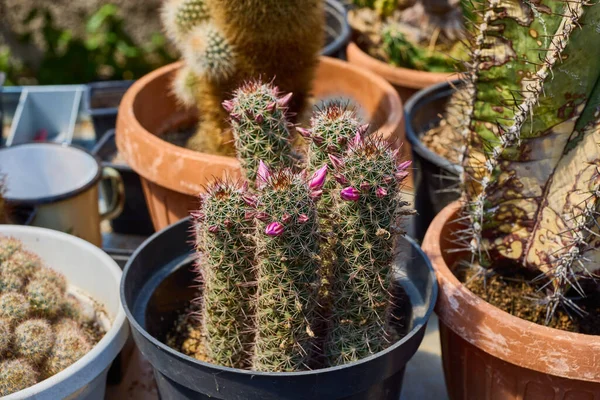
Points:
point(274, 250)
point(41, 329)
point(532, 129)
point(226, 42)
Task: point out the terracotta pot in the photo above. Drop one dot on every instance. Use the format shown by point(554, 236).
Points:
point(173, 176)
point(406, 81)
point(490, 354)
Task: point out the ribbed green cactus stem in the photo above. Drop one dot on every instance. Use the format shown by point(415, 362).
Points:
point(15, 375)
point(33, 340)
point(260, 126)
point(208, 53)
point(287, 240)
point(70, 345)
point(14, 307)
point(180, 16)
point(530, 164)
point(225, 265)
point(370, 207)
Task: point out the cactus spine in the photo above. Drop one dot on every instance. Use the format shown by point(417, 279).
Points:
point(226, 42)
point(260, 128)
point(370, 206)
point(531, 162)
point(226, 269)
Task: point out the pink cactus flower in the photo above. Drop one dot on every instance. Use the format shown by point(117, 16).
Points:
point(381, 192)
point(302, 218)
point(274, 229)
point(228, 105)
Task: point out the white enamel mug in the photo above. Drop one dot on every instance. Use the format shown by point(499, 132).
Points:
point(61, 181)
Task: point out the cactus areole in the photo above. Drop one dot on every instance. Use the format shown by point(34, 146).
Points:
point(532, 130)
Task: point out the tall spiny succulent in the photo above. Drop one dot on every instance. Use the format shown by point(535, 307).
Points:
point(287, 241)
point(226, 42)
point(260, 127)
point(532, 131)
point(289, 245)
point(369, 206)
point(226, 253)
point(37, 337)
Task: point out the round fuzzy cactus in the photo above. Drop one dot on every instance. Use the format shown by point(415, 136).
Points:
point(208, 53)
point(33, 340)
point(369, 206)
point(51, 277)
point(45, 298)
point(5, 336)
point(180, 16)
point(260, 127)
point(8, 246)
point(226, 269)
point(16, 375)
point(70, 345)
point(14, 307)
point(21, 264)
point(184, 86)
point(287, 269)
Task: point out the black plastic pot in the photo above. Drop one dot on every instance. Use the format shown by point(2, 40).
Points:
point(158, 283)
point(135, 218)
point(337, 30)
point(103, 100)
point(435, 178)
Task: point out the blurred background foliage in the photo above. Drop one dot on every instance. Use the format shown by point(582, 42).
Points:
point(36, 49)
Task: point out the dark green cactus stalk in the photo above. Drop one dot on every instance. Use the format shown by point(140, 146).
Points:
point(531, 162)
point(225, 266)
point(287, 240)
point(260, 127)
point(370, 208)
point(15, 375)
point(70, 345)
point(33, 340)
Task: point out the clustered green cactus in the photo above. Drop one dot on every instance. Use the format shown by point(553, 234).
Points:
point(41, 329)
point(226, 42)
point(532, 127)
point(270, 307)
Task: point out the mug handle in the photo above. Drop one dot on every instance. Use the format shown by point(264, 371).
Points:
point(117, 202)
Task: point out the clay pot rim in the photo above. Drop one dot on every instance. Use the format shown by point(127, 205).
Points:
point(155, 146)
point(399, 76)
point(543, 349)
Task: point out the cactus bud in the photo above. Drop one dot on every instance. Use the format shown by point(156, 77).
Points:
point(335, 161)
point(318, 179)
point(381, 192)
point(274, 229)
point(350, 194)
point(305, 133)
point(285, 100)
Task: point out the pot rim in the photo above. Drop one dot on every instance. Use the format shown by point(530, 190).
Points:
point(130, 132)
point(176, 354)
point(400, 76)
point(341, 38)
point(536, 347)
point(412, 106)
point(117, 332)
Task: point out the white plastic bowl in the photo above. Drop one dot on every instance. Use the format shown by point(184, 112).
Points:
point(90, 269)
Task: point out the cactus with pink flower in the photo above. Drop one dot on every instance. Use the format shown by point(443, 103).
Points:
point(341, 204)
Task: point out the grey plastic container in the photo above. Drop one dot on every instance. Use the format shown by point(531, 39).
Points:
point(158, 283)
